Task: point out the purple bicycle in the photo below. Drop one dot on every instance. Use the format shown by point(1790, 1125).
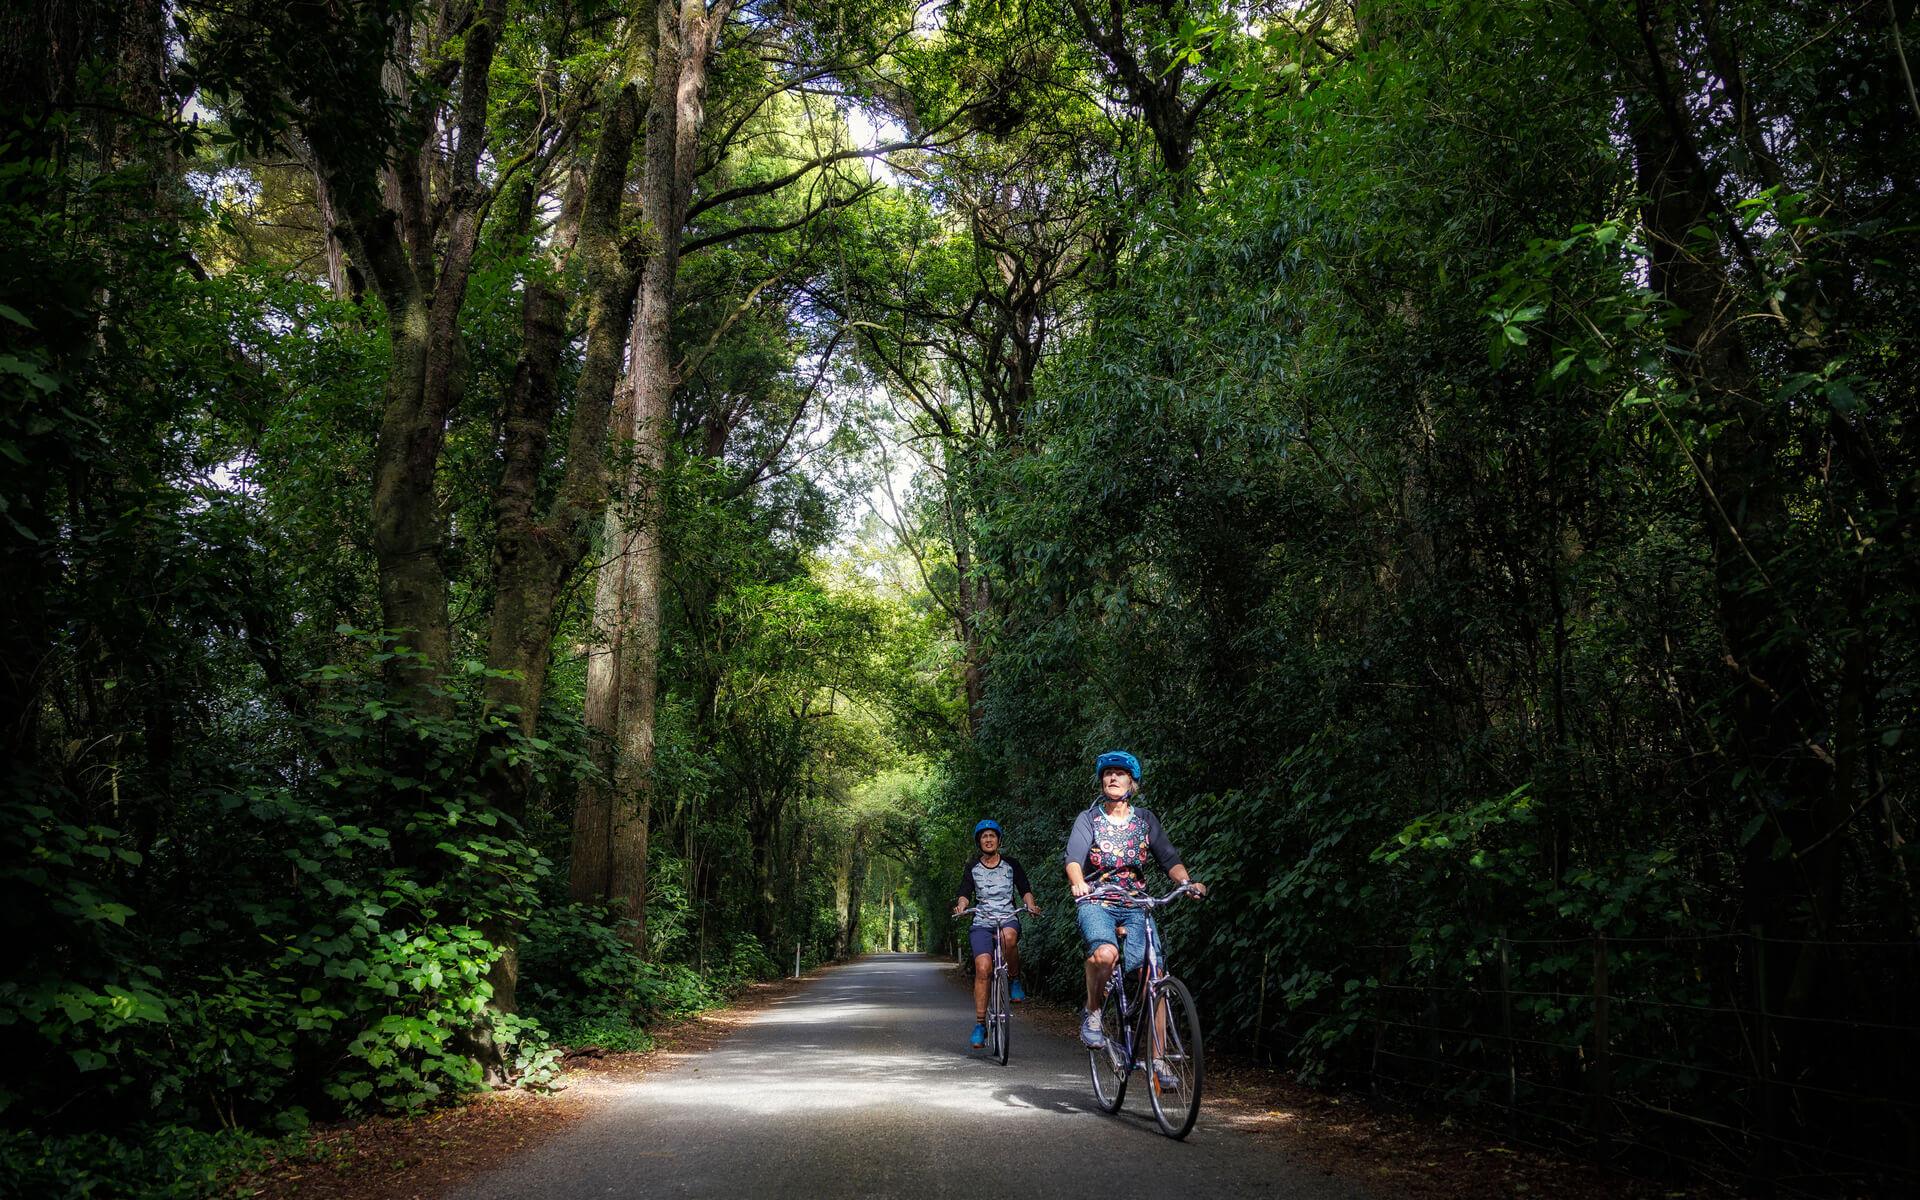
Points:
point(1155, 1029)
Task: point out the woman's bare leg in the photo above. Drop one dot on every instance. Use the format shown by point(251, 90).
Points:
point(1099, 968)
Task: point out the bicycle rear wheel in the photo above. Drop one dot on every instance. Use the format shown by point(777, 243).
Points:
point(999, 1014)
point(1176, 1053)
point(1112, 1063)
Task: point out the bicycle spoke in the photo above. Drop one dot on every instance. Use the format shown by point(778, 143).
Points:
point(1110, 1064)
point(1002, 1025)
point(1177, 1066)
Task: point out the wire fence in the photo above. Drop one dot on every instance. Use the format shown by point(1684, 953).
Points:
point(1784, 1066)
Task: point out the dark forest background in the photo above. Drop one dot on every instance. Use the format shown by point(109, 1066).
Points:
point(522, 516)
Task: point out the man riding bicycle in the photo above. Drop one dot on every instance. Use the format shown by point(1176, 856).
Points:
point(989, 884)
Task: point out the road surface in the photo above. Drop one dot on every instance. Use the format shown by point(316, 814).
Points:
point(862, 1085)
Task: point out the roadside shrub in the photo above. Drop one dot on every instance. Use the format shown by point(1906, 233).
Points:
point(167, 1162)
point(747, 962)
point(582, 980)
point(338, 960)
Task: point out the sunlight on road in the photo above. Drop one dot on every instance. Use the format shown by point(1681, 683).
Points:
point(862, 1085)
point(822, 1014)
point(803, 1074)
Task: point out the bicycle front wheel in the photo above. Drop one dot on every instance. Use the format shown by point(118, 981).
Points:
point(1112, 1063)
point(1170, 1026)
point(1001, 1016)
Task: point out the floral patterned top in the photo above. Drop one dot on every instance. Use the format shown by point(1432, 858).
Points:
point(1117, 852)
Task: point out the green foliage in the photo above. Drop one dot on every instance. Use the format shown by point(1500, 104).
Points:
point(1464, 579)
point(1464, 447)
point(167, 1162)
point(585, 984)
point(251, 878)
point(323, 949)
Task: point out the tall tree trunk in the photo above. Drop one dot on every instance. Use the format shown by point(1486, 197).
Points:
point(602, 409)
point(763, 831)
point(427, 365)
point(856, 889)
point(623, 682)
point(590, 874)
point(525, 561)
point(971, 600)
point(845, 903)
point(536, 554)
point(420, 273)
point(341, 278)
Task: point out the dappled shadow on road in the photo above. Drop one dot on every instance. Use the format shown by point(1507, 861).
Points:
point(823, 1075)
point(863, 1085)
point(1045, 1098)
point(868, 1037)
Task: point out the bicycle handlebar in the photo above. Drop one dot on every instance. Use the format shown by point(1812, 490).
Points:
point(1108, 893)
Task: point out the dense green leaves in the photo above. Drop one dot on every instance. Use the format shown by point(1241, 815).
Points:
point(1463, 447)
point(1471, 498)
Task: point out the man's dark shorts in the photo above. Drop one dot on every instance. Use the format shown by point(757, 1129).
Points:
point(981, 938)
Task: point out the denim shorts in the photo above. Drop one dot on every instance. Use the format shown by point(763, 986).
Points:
point(1097, 922)
point(980, 937)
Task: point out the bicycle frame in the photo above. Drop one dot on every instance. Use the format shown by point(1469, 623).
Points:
point(998, 1023)
point(999, 956)
point(1153, 966)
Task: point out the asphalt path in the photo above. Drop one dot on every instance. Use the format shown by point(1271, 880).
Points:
point(862, 1084)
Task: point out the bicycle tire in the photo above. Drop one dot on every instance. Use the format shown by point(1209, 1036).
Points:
point(1111, 1064)
point(1175, 1108)
point(1002, 1018)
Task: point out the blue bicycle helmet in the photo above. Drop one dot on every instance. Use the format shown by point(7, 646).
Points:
point(983, 827)
point(1117, 758)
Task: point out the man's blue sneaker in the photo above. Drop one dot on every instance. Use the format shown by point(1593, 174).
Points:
point(1019, 993)
point(979, 1037)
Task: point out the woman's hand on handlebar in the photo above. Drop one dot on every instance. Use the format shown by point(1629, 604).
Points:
point(1199, 889)
point(1082, 889)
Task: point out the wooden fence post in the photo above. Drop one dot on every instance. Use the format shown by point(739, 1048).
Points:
point(1260, 1015)
point(1766, 1161)
point(1600, 1071)
point(1379, 1022)
point(1506, 1025)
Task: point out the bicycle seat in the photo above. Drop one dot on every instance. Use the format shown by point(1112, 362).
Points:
point(1119, 931)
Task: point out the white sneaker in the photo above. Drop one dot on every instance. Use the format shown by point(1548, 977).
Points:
point(1169, 1082)
point(1090, 1035)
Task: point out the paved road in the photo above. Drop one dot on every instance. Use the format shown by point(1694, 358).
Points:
point(862, 1085)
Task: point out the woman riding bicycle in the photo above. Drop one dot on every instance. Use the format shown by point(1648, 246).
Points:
point(991, 884)
point(1110, 844)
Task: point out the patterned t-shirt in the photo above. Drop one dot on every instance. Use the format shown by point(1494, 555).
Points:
point(1118, 851)
point(993, 891)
